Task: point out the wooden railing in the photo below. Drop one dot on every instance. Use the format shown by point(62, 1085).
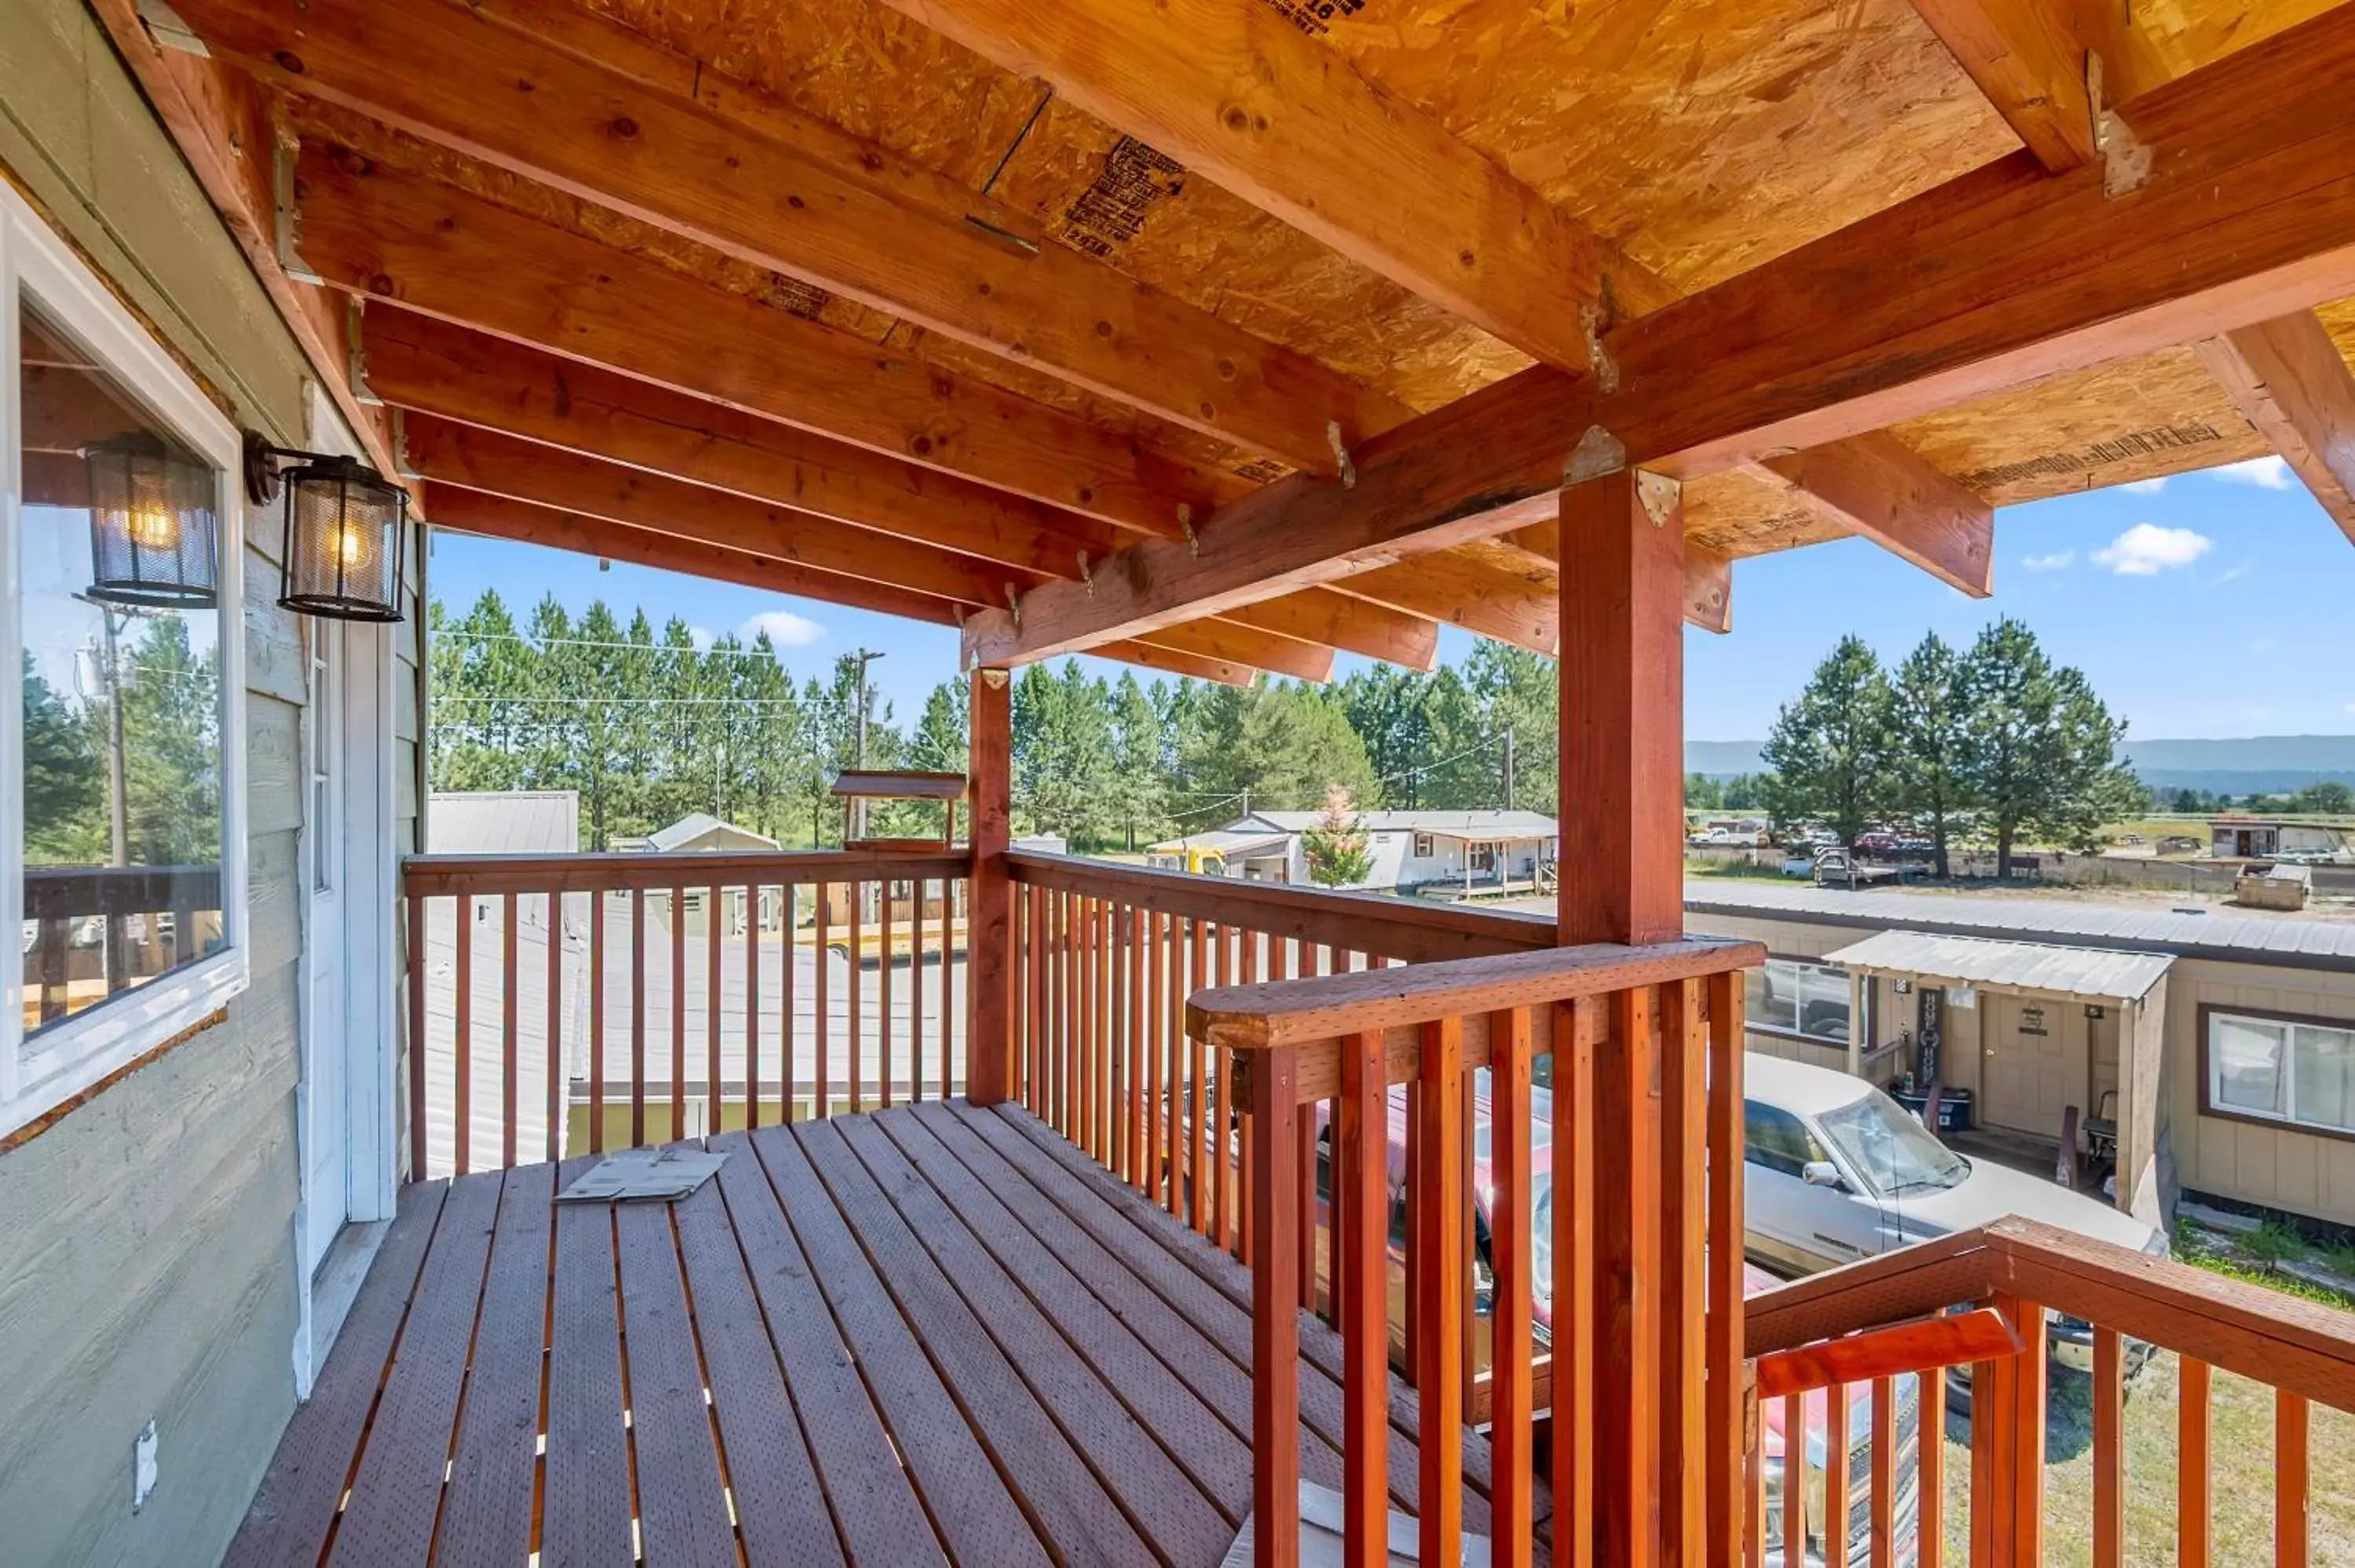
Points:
point(2069, 1300)
point(1643, 1306)
point(125, 899)
point(570, 1003)
point(1105, 957)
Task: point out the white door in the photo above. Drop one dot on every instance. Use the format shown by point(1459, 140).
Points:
point(326, 1068)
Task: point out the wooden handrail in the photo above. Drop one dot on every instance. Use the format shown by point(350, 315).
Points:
point(1410, 930)
point(68, 892)
point(432, 875)
point(1923, 1345)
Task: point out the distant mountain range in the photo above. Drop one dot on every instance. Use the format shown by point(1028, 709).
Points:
point(2248, 764)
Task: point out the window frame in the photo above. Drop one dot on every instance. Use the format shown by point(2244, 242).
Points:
point(2209, 1013)
point(37, 1077)
point(1794, 1032)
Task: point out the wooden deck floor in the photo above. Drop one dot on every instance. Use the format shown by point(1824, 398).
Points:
point(927, 1334)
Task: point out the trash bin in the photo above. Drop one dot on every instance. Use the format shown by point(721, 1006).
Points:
point(1953, 1109)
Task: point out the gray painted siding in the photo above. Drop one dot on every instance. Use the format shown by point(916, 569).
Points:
point(147, 1265)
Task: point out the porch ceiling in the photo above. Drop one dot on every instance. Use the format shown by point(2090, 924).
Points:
point(1222, 336)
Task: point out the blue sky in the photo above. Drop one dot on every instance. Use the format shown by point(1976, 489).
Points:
point(2214, 604)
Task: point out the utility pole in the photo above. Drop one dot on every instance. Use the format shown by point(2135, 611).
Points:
point(864, 656)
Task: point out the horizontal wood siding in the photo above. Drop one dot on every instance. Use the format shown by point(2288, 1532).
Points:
point(146, 1251)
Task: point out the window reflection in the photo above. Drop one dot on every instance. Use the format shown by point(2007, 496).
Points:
point(122, 763)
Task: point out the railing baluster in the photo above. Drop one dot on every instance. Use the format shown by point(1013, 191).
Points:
point(462, 1102)
point(2194, 1531)
point(822, 1074)
point(1254, 1169)
point(1197, 1068)
point(788, 949)
point(2027, 1473)
point(883, 989)
point(1628, 1246)
point(1173, 935)
point(1576, 1028)
point(1836, 1488)
point(417, 1037)
point(1361, 1269)
point(637, 1017)
point(597, 1021)
point(554, 1088)
point(1795, 1478)
point(1722, 1331)
point(1512, 1454)
point(948, 984)
point(1685, 1463)
point(2109, 1392)
point(1133, 951)
point(510, 1048)
point(1276, 1332)
point(1885, 1469)
point(715, 1095)
point(2290, 1480)
point(1930, 1551)
point(1157, 1019)
point(853, 1023)
point(1441, 1197)
point(678, 1002)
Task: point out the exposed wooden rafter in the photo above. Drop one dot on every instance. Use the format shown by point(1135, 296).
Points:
point(469, 83)
point(1881, 489)
point(1999, 278)
point(375, 231)
point(2030, 58)
point(1241, 95)
point(2292, 382)
point(1244, 645)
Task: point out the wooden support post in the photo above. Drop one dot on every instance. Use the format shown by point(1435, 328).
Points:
point(989, 915)
point(1622, 710)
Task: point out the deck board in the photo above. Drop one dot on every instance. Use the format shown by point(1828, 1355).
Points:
point(929, 1334)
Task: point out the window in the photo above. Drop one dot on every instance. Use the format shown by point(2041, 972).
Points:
point(1423, 847)
point(1791, 996)
point(2282, 1069)
point(1776, 1141)
point(122, 712)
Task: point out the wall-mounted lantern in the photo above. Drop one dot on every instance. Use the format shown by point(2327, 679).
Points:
point(154, 533)
point(346, 541)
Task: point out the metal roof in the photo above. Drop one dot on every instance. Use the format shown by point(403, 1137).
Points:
point(2023, 966)
point(503, 821)
point(2230, 938)
point(895, 784)
point(1459, 824)
point(1225, 840)
point(694, 825)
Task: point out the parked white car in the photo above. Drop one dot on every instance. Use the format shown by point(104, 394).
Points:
point(1836, 1171)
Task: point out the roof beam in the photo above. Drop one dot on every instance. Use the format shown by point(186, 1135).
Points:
point(1881, 489)
point(1352, 625)
point(475, 459)
point(1234, 644)
point(2028, 62)
point(467, 82)
point(375, 231)
point(1482, 597)
point(504, 517)
point(1242, 95)
point(430, 367)
point(2289, 378)
point(1708, 588)
point(1170, 662)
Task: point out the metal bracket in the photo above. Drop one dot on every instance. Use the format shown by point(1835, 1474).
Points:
point(356, 352)
point(1595, 319)
point(1598, 452)
point(1087, 573)
point(163, 25)
point(1341, 454)
point(288, 217)
point(2125, 158)
point(1186, 526)
point(996, 679)
point(401, 463)
point(1659, 496)
point(1014, 606)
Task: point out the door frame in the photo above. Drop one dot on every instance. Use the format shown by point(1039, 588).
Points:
point(365, 899)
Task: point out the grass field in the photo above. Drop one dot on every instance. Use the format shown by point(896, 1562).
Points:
point(2241, 1472)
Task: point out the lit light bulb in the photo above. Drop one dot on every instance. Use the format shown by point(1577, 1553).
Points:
point(154, 527)
point(350, 545)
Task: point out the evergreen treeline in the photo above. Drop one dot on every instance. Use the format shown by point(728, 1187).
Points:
point(647, 728)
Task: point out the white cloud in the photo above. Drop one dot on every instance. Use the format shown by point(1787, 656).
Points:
point(2147, 549)
point(701, 636)
point(2057, 561)
point(2234, 573)
point(2264, 472)
point(2145, 486)
point(786, 628)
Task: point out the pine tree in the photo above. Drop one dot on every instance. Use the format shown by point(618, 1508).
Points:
point(2042, 753)
point(1930, 724)
point(1335, 845)
point(65, 778)
point(1141, 798)
point(1829, 746)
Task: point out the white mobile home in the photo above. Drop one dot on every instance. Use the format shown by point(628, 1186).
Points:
point(1441, 853)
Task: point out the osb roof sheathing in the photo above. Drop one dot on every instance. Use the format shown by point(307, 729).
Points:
point(1705, 136)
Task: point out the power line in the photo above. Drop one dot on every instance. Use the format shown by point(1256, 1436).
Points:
point(456, 634)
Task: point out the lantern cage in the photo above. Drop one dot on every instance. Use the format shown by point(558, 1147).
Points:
point(347, 531)
point(154, 524)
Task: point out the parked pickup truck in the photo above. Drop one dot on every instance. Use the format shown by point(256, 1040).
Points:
point(1838, 1171)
